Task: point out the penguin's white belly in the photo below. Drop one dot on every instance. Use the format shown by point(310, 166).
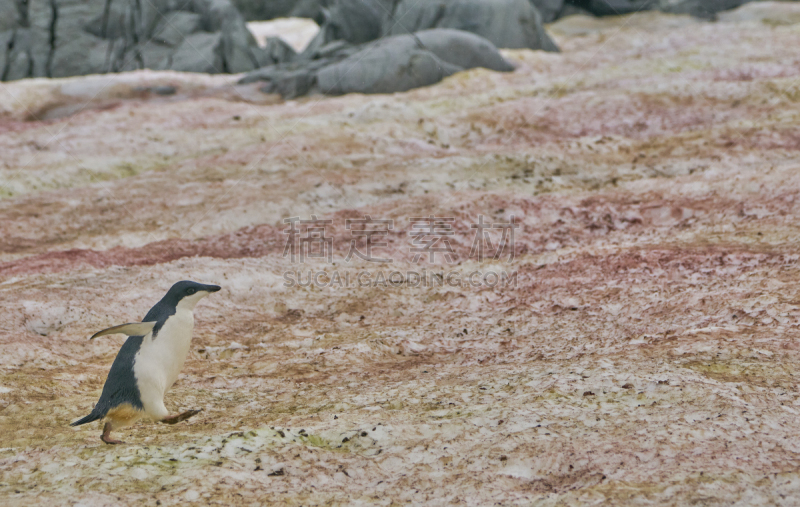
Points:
point(159, 361)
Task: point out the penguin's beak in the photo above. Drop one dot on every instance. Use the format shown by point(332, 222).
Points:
point(211, 288)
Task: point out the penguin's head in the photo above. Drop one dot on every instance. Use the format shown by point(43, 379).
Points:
point(186, 294)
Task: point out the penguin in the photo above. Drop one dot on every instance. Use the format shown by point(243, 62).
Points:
point(149, 362)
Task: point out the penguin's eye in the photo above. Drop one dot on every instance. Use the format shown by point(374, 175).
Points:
point(191, 290)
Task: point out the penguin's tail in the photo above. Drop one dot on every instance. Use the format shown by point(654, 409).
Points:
point(89, 418)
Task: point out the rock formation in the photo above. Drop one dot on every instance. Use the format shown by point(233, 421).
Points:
point(403, 62)
point(505, 23)
point(346, 55)
point(392, 64)
point(549, 10)
point(697, 8)
point(58, 38)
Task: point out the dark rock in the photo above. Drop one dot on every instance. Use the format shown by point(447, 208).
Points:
point(270, 73)
point(175, 26)
point(6, 37)
point(42, 17)
point(462, 49)
point(571, 10)
point(322, 39)
point(84, 53)
point(311, 9)
point(200, 52)
point(317, 50)
point(615, 7)
point(92, 37)
point(277, 51)
point(162, 90)
point(239, 45)
point(381, 70)
point(58, 38)
point(291, 84)
point(505, 23)
point(351, 21)
point(403, 62)
point(293, 69)
point(700, 8)
point(333, 49)
point(356, 21)
point(550, 10)
point(19, 64)
point(256, 10)
point(9, 15)
point(388, 65)
point(293, 79)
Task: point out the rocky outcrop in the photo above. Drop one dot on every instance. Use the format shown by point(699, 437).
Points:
point(354, 21)
point(403, 62)
point(392, 64)
point(257, 10)
point(373, 46)
point(59, 38)
point(505, 23)
point(261, 10)
point(350, 21)
point(698, 8)
point(380, 46)
point(291, 79)
point(614, 7)
point(550, 10)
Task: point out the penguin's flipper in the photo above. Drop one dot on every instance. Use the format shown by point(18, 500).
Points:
point(130, 329)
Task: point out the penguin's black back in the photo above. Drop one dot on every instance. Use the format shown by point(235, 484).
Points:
point(160, 312)
point(120, 386)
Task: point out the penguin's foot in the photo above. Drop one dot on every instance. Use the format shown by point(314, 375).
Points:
point(175, 419)
point(106, 437)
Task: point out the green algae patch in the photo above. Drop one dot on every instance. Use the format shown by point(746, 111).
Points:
point(148, 468)
point(436, 411)
point(753, 373)
point(318, 441)
point(41, 175)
